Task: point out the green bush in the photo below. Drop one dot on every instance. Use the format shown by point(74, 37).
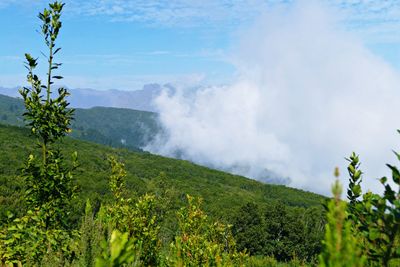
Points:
point(202, 243)
point(341, 247)
point(375, 218)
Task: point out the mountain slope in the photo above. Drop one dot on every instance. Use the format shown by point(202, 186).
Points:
point(223, 193)
point(120, 127)
point(11, 110)
point(116, 127)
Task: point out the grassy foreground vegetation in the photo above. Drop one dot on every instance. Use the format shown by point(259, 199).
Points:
point(139, 212)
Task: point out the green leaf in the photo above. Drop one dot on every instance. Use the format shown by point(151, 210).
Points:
point(373, 234)
point(357, 189)
point(58, 49)
point(395, 173)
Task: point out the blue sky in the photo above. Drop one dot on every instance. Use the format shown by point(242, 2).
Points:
point(124, 44)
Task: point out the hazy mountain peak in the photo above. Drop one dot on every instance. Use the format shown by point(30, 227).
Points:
point(87, 97)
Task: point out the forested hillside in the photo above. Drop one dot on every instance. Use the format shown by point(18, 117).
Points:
point(115, 127)
point(221, 191)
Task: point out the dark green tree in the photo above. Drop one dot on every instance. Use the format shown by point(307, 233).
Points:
point(285, 233)
point(249, 229)
point(314, 222)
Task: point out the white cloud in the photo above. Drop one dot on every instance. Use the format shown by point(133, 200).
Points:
point(307, 95)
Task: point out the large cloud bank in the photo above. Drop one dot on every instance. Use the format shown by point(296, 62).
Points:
point(307, 93)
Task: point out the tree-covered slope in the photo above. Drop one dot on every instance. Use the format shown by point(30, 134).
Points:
point(116, 127)
point(11, 110)
point(223, 193)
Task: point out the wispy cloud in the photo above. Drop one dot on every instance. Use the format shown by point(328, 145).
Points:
point(158, 53)
point(99, 82)
point(128, 82)
point(136, 57)
point(102, 59)
point(174, 12)
point(11, 58)
point(375, 20)
point(6, 3)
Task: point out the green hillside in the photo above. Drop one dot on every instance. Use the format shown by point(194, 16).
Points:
point(115, 127)
point(11, 110)
point(222, 192)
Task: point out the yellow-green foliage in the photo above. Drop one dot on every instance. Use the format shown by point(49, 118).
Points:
point(136, 218)
point(120, 251)
point(135, 231)
point(202, 243)
point(92, 233)
point(26, 240)
point(341, 247)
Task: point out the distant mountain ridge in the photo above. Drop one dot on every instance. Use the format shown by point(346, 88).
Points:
point(88, 98)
